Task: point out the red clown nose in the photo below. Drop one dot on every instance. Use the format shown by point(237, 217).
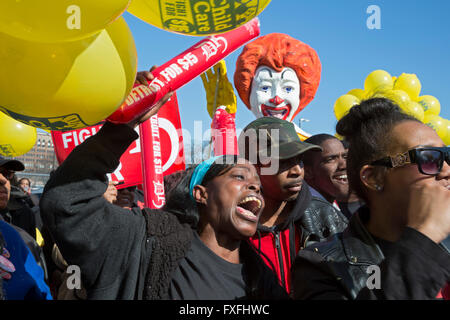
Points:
point(276, 101)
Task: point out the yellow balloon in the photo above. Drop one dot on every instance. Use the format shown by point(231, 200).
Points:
point(67, 85)
point(16, 138)
point(410, 84)
point(197, 18)
point(447, 137)
point(381, 91)
point(58, 20)
point(414, 109)
point(438, 124)
point(359, 93)
point(430, 105)
point(343, 105)
point(399, 97)
point(378, 79)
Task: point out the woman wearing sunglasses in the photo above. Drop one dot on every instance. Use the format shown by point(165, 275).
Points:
point(393, 248)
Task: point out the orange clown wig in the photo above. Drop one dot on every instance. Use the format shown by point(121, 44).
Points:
point(277, 51)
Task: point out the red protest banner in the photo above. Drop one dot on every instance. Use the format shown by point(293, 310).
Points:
point(154, 196)
point(183, 68)
point(157, 132)
point(129, 170)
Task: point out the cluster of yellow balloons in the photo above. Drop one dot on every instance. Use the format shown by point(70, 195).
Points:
point(405, 92)
point(64, 64)
point(68, 64)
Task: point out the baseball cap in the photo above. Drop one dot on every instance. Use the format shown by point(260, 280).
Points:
point(274, 138)
point(14, 165)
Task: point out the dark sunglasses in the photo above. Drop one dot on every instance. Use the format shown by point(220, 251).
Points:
point(430, 160)
point(8, 174)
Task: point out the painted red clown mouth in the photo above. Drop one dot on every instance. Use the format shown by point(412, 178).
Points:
point(277, 112)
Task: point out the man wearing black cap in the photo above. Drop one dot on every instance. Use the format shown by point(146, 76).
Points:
point(19, 211)
point(7, 169)
point(21, 275)
point(291, 218)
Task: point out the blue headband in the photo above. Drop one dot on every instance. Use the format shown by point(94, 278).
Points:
point(199, 173)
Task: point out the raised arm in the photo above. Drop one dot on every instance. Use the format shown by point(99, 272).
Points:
point(104, 240)
point(92, 233)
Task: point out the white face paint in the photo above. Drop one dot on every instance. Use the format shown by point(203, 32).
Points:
point(275, 94)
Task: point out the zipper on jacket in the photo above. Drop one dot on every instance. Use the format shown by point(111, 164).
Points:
point(280, 257)
point(304, 242)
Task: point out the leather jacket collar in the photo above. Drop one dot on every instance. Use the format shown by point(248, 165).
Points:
point(359, 246)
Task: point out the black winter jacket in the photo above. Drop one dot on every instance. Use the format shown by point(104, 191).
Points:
point(19, 212)
point(414, 267)
point(312, 220)
point(321, 220)
point(122, 254)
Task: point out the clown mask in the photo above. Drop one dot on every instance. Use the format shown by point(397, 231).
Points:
point(275, 94)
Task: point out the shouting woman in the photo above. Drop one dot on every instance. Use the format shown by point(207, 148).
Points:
point(193, 249)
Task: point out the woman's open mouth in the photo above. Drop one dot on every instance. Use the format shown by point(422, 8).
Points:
point(249, 208)
point(277, 112)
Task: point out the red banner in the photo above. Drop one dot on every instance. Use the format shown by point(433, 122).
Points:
point(154, 195)
point(157, 132)
point(183, 68)
point(129, 171)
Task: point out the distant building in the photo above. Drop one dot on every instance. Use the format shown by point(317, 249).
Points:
point(39, 161)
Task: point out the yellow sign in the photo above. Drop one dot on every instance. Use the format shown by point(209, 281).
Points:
point(197, 17)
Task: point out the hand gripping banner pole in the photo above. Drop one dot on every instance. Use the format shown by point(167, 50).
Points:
point(182, 69)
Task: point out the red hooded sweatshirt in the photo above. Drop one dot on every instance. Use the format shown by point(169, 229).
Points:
point(279, 245)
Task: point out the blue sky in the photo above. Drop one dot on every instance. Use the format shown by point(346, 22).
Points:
point(414, 38)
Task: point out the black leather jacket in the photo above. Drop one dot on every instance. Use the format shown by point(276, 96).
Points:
point(316, 218)
point(414, 267)
point(312, 219)
point(320, 221)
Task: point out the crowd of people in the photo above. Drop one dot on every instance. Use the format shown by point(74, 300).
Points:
point(315, 228)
